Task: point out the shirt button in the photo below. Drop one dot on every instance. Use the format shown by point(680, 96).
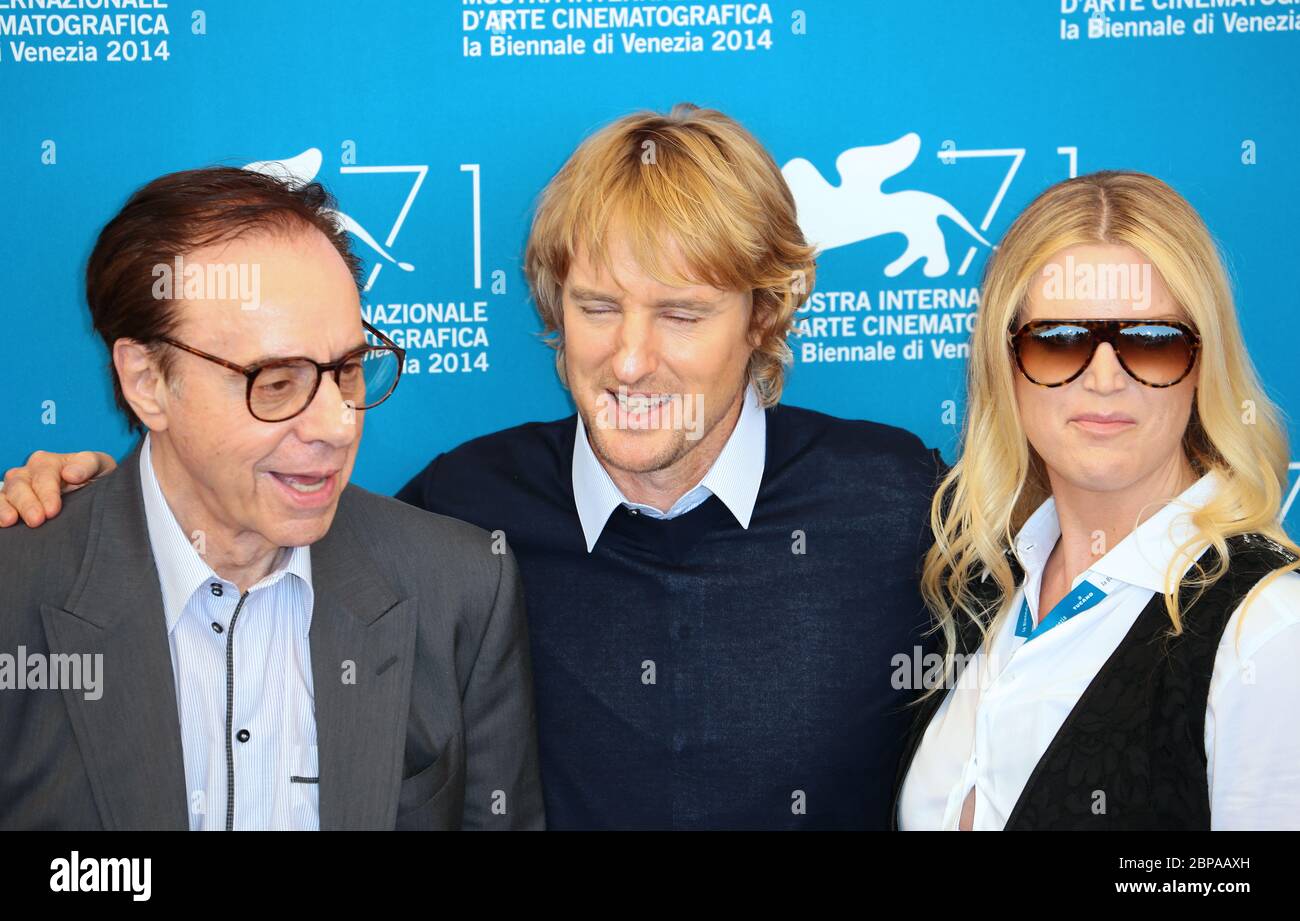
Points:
point(216, 589)
point(633, 511)
point(243, 735)
point(216, 627)
point(679, 741)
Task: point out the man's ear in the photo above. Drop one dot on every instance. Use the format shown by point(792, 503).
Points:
point(142, 382)
point(755, 335)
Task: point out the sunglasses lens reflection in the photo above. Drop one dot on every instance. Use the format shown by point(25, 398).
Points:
point(1156, 354)
point(1051, 354)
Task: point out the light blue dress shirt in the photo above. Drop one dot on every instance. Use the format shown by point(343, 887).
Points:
point(242, 667)
point(734, 477)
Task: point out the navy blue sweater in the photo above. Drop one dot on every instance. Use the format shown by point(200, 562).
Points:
point(694, 674)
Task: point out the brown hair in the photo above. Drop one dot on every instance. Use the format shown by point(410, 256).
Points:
point(694, 177)
point(175, 215)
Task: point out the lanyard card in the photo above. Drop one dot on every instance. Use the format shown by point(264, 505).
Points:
point(1083, 596)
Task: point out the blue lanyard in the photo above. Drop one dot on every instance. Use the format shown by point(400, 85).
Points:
point(1084, 596)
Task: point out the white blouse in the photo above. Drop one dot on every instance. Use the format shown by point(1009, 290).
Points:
point(997, 721)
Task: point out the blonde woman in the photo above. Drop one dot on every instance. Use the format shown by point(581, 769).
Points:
point(1118, 600)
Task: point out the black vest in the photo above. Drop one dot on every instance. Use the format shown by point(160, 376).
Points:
point(1137, 733)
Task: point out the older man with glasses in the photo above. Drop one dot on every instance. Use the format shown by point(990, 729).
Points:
point(279, 649)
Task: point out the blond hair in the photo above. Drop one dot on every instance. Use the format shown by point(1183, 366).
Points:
point(999, 480)
point(694, 178)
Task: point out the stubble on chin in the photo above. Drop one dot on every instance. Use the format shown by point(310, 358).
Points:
point(663, 457)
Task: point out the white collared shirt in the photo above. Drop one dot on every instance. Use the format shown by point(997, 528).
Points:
point(734, 477)
point(994, 726)
point(271, 732)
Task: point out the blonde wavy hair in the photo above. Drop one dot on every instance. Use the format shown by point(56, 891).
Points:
point(694, 178)
point(999, 480)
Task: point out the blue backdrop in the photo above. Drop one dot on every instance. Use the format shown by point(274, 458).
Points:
point(437, 122)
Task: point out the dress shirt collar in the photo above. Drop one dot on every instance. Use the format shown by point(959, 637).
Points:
point(1143, 557)
point(734, 477)
point(182, 572)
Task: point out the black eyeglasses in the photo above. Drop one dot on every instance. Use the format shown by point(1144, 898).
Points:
point(281, 388)
point(1157, 353)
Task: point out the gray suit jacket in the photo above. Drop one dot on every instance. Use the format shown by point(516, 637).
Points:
point(437, 731)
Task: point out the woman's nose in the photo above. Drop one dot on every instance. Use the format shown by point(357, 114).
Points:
point(1105, 373)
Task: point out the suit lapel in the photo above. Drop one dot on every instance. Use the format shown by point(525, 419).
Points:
point(362, 651)
point(130, 738)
